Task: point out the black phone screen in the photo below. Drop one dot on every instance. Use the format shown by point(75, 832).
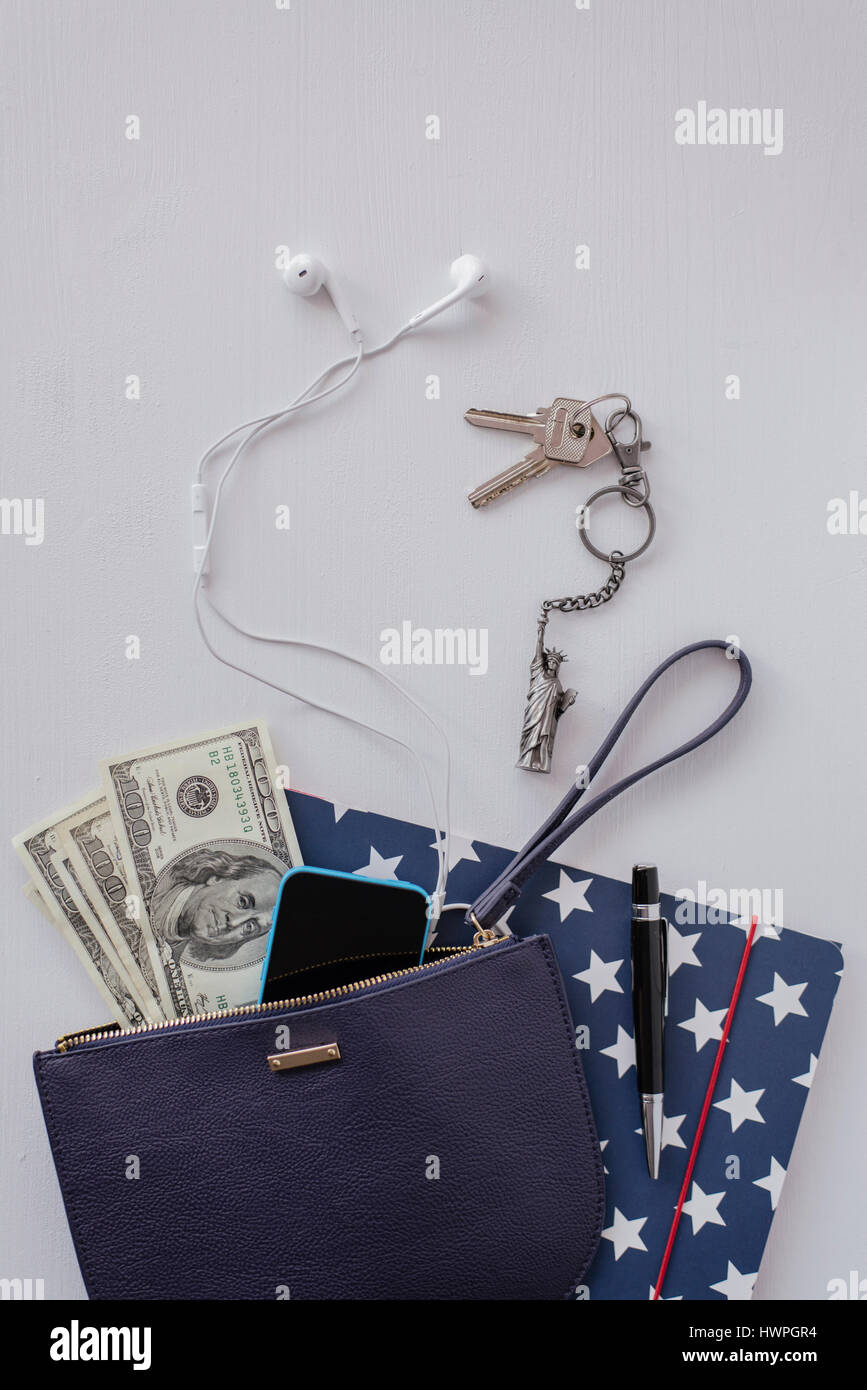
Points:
point(326, 925)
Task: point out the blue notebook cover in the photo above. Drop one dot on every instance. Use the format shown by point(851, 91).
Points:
point(764, 1081)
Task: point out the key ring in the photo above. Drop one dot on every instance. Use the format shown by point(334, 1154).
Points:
point(621, 492)
point(610, 396)
point(547, 701)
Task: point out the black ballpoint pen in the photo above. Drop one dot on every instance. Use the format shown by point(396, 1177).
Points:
point(649, 991)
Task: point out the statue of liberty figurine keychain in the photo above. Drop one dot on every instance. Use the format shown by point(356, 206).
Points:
point(547, 701)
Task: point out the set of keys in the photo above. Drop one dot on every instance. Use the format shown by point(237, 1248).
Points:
point(567, 432)
point(564, 432)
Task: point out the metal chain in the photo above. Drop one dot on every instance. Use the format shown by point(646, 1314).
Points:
point(583, 601)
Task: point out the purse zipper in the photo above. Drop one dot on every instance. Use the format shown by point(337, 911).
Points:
point(484, 937)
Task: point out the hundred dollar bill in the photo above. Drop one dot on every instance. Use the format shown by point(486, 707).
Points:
point(206, 837)
point(93, 844)
point(57, 830)
point(33, 895)
point(54, 876)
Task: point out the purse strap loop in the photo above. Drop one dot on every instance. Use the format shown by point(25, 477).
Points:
point(506, 889)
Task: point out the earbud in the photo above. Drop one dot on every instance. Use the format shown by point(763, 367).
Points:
point(469, 276)
point(307, 275)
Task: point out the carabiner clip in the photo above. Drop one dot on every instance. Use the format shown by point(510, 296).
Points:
point(634, 483)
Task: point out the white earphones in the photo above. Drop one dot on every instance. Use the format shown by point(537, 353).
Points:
point(306, 275)
point(469, 276)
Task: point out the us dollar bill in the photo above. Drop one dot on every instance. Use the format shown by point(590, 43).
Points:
point(48, 864)
point(206, 837)
point(93, 843)
point(114, 1011)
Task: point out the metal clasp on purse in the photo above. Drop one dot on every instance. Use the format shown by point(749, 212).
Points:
point(304, 1057)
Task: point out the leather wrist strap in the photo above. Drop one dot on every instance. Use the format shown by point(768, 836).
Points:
point(506, 889)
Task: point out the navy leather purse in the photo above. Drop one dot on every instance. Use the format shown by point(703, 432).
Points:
point(407, 1132)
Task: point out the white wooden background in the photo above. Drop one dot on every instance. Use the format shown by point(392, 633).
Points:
point(263, 126)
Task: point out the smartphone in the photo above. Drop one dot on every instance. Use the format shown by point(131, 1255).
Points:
point(325, 922)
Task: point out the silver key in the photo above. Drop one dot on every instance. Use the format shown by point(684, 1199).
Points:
point(533, 466)
point(564, 432)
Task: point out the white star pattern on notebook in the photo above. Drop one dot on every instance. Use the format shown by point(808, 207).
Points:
point(600, 975)
point(377, 867)
point(705, 1024)
point(784, 999)
point(459, 848)
point(741, 1106)
point(569, 895)
point(625, 1234)
point(703, 1207)
point(680, 949)
point(735, 1285)
point(773, 1182)
point(806, 1078)
point(622, 1050)
point(670, 1132)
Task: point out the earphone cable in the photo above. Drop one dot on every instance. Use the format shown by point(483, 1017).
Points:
point(255, 428)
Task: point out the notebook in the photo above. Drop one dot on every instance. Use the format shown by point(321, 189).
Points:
point(769, 1063)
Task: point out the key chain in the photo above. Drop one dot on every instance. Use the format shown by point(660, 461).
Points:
point(547, 701)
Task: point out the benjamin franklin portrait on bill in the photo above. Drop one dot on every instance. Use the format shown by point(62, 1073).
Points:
point(212, 901)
